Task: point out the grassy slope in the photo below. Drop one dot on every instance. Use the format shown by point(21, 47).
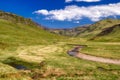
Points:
point(14, 35)
point(98, 27)
point(92, 31)
point(19, 34)
point(109, 34)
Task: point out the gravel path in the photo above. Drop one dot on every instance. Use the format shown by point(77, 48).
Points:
point(75, 52)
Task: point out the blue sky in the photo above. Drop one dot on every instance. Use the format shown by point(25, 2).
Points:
point(63, 13)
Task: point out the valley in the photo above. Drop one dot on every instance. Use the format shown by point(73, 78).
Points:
point(30, 52)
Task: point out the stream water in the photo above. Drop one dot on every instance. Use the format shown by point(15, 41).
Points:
point(19, 66)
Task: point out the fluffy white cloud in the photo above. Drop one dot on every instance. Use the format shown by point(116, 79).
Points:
point(74, 12)
point(82, 1)
point(44, 12)
point(67, 1)
point(88, 0)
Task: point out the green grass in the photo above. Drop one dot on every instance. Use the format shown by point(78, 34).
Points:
point(45, 55)
point(107, 50)
point(61, 66)
point(98, 27)
point(114, 36)
point(20, 34)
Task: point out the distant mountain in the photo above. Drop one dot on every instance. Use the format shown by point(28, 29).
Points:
point(72, 32)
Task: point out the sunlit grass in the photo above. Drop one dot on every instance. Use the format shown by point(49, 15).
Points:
point(108, 50)
point(60, 65)
point(45, 55)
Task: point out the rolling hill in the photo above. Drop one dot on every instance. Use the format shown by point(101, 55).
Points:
point(95, 29)
point(92, 32)
point(109, 34)
point(16, 30)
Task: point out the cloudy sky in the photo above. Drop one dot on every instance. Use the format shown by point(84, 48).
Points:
point(63, 13)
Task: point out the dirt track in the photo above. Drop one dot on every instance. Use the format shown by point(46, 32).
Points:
point(75, 52)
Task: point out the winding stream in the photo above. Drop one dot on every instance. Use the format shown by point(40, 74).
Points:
point(75, 52)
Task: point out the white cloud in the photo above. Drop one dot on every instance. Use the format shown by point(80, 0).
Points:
point(74, 12)
point(82, 1)
point(43, 11)
point(77, 22)
point(67, 1)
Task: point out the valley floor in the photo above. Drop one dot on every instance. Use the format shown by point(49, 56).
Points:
point(51, 62)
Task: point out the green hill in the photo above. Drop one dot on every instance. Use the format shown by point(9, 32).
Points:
point(17, 19)
point(109, 34)
point(94, 30)
point(16, 30)
point(91, 32)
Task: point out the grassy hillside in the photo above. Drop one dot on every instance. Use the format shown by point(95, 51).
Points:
point(17, 19)
point(97, 28)
point(109, 34)
point(15, 32)
point(18, 33)
point(92, 32)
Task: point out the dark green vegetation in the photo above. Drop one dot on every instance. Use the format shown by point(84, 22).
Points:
point(42, 54)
